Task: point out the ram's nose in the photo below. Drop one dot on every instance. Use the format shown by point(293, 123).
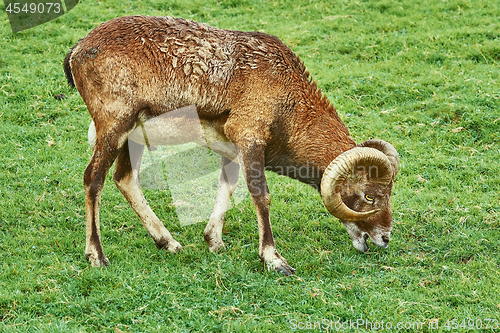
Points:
point(381, 240)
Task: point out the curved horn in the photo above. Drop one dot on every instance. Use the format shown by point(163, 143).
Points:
point(387, 149)
point(348, 163)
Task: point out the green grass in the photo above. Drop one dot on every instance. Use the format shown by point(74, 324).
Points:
point(423, 75)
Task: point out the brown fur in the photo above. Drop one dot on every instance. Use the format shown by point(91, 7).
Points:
point(134, 68)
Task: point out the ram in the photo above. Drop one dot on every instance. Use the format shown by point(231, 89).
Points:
point(248, 88)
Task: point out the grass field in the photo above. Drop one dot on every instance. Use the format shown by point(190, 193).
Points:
point(423, 75)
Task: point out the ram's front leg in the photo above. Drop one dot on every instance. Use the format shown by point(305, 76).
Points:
point(252, 161)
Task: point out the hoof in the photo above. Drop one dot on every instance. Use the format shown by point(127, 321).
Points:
point(280, 266)
point(214, 240)
point(173, 246)
point(97, 261)
point(286, 269)
point(217, 247)
point(169, 245)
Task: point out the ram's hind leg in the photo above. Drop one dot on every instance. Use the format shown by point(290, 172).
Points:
point(126, 182)
point(106, 149)
point(227, 184)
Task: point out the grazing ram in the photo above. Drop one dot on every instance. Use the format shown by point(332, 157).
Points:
point(248, 88)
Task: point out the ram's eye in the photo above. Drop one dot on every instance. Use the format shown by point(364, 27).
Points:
point(369, 197)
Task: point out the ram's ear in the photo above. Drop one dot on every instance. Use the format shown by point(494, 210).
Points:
point(387, 149)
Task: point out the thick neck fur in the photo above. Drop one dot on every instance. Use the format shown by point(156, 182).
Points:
point(315, 142)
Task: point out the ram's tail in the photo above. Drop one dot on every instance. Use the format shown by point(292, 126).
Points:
point(67, 68)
